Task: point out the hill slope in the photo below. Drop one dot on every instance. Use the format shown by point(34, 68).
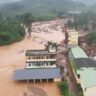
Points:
point(88, 2)
point(41, 7)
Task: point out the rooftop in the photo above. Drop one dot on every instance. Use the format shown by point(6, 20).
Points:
point(72, 31)
point(71, 45)
point(30, 74)
point(78, 52)
point(88, 77)
point(85, 62)
point(87, 69)
point(38, 52)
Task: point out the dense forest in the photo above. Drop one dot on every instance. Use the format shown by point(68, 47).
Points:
point(40, 8)
point(10, 31)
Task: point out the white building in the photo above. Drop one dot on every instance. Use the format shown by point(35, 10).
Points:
point(73, 37)
point(40, 66)
point(41, 58)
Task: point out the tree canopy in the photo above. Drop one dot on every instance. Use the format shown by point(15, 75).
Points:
point(91, 38)
point(10, 31)
point(27, 21)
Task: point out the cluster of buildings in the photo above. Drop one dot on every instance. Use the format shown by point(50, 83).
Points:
point(84, 68)
point(40, 66)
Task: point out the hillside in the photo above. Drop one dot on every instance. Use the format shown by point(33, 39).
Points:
point(93, 8)
point(87, 2)
point(40, 7)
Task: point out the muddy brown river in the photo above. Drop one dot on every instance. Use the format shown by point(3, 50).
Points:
point(13, 57)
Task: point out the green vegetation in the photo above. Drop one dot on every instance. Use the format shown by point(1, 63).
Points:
point(79, 90)
point(91, 38)
point(10, 31)
point(85, 21)
point(27, 21)
point(63, 89)
point(40, 8)
point(50, 43)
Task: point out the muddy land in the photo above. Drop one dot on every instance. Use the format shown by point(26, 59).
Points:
point(13, 57)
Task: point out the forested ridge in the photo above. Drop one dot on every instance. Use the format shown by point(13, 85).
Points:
point(43, 8)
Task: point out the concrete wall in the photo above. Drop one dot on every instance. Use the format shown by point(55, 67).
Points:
point(90, 91)
point(57, 80)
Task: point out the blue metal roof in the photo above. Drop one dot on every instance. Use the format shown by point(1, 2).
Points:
point(30, 74)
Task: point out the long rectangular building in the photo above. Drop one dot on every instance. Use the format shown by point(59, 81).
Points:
point(84, 70)
point(37, 74)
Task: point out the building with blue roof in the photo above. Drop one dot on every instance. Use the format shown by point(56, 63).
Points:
point(40, 65)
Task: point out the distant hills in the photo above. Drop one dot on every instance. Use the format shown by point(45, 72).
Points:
point(40, 7)
point(7, 1)
point(88, 2)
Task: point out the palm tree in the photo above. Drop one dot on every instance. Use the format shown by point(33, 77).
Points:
point(50, 43)
point(27, 21)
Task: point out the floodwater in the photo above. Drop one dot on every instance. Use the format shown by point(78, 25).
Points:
point(13, 57)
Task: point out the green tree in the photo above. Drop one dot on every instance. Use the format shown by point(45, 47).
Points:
point(51, 43)
point(11, 31)
point(27, 21)
point(63, 89)
point(91, 38)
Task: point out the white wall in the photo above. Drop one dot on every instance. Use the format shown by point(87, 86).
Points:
point(90, 91)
